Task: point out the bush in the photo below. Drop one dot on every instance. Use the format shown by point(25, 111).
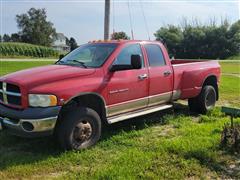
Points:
point(231, 137)
point(12, 49)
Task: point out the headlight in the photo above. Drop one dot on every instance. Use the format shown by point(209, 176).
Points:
point(42, 100)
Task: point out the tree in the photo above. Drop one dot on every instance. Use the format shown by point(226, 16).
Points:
point(216, 42)
point(0, 38)
point(15, 37)
point(119, 35)
point(234, 38)
point(67, 42)
point(193, 43)
point(6, 38)
point(35, 28)
point(72, 43)
point(198, 41)
point(171, 36)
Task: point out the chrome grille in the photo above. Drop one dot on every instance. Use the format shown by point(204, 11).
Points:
point(10, 94)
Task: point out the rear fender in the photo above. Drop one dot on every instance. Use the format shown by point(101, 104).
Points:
point(193, 81)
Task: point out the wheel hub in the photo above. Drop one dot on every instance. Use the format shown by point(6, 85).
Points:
point(82, 131)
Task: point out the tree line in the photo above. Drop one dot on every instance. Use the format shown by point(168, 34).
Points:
point(35, 29)
point(195, 41)
point(198, 41)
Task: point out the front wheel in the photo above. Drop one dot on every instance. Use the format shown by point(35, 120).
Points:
point(79, 128)
point(205, 101)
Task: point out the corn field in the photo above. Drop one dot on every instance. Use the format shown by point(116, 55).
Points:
point(12, 49)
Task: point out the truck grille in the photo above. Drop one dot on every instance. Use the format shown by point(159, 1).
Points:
point(10, 94)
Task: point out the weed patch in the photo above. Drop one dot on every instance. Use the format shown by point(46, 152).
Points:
point(231, 137)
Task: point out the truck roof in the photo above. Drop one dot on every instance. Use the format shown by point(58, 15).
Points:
point(121, 41)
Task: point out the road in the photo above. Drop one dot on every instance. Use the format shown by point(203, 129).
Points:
point(23, 60)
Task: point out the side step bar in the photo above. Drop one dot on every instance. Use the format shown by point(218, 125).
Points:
point(141, 112)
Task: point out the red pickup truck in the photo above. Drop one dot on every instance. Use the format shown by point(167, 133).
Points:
point(102, 82)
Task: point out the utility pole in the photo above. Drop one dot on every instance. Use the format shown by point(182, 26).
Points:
point(107, 19)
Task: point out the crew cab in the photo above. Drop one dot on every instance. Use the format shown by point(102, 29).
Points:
point(102, 82)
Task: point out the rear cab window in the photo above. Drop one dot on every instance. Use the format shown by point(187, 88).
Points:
point(155, 55)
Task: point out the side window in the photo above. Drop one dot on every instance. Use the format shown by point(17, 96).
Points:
point(155, 55)
point(124, 57)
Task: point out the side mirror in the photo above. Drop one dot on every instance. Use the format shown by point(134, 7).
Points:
point(120, 67)
point(61, 56)
point(136, 61)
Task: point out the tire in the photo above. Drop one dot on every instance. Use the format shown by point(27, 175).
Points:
point(192, 104)
point(79, 128)
point(205, 101)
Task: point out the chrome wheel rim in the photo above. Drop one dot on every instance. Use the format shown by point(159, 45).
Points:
point(210, 99)
point(82, 132)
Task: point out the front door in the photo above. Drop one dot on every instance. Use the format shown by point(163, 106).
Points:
point(127, 89)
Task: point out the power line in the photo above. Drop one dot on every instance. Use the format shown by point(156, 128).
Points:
point(145, 20)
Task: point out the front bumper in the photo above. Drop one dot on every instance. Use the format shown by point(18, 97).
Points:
point(31, 122)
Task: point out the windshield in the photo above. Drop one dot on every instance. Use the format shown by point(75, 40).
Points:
point(89, 55)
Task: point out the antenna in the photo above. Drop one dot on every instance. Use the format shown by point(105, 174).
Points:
point(130, 20)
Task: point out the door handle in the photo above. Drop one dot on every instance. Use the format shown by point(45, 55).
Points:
point(167, 73)
point(142, 76)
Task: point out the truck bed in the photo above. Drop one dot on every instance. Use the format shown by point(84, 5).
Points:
point(189, 74)
point(184, 61)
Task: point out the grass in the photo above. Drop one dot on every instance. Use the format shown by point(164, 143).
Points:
point(230, 90)
point(237, 57)
point(8, 66)
point(165, 145)
point(230, 84)
point(156, 146)
point(230, 67)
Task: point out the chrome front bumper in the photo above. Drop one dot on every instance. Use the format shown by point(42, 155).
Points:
point(31, 122)
point(30, 125)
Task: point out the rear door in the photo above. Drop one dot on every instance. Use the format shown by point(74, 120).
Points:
point(160, 76)
point(127, 89)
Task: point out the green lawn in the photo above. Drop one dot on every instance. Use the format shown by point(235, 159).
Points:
point(230, 67)
point(165, 145)
point(230, 90)
point(9, 66)
point(230, 84)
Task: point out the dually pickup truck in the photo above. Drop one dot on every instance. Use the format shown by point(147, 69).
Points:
point(102, 82)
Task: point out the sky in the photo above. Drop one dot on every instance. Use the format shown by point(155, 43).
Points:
point(84, 20)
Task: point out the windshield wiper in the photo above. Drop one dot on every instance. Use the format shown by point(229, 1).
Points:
point(79, 62)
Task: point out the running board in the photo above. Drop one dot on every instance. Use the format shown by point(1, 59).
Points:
point(141, 112)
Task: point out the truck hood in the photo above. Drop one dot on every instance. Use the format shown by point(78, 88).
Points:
point(46, 74)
